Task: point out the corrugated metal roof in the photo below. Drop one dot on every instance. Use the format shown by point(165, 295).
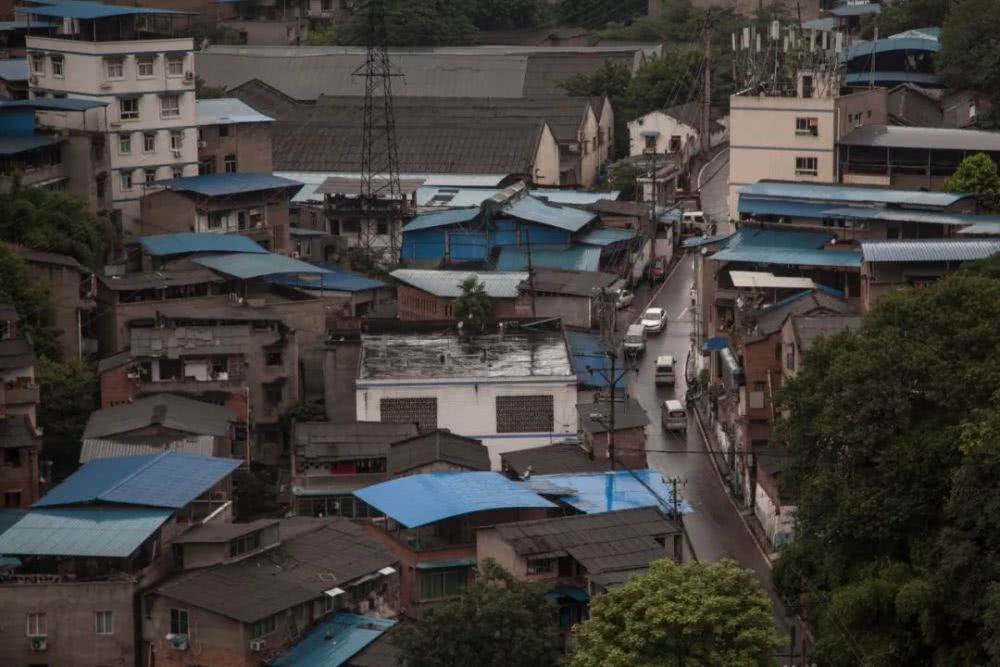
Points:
point(418, 500)
point(340, 185)
point(698, 241)
point(188, 242)
point(446, 284)
point(168, 410)
point(535, 210)
point(762, 279)
point(98, 448)
point(52, 103)
point(220, 185)
point(606, 236)
point(14, 69)
point(598, 492)
point(842, 195)
point(98, 532)
point(334, 641)
point(910, 42)
point(80, 9)
point(628, 415)
point(576, 258)
point(981, 229)
point(336, 280)
point(588, 349)
point(929, 138)
point(961, 250)
point(793, 248)
point(15, 145)
point(227, 111)
point(248, 266)
point(892, 78)
point(903, 215)
point(856, 9)
point(441, 219)
point(167, 479)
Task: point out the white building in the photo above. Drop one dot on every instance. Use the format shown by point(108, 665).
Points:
point(122, 55)
point(673, 131)
point(512, 390)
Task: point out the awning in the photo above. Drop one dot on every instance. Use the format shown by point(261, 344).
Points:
point(446, 564)
point(715, 344)
point(572, 592)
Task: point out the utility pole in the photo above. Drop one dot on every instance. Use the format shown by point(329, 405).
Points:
point(706, 102)
point(652, 216)
point(246, 394)
point(612, 376)
point(531, 271)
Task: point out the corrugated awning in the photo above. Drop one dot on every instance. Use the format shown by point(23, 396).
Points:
point(447, 564)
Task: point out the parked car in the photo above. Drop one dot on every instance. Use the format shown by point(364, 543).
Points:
point(659, 270)
point(625, 298)
point(654, 320)
point(673, 416)
point(666, 370)
point(635, 339)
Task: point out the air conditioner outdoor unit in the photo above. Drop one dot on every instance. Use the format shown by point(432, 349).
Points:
point(177, 152)
point(257, 645)
point(188, 76)
point(34, 80)
point(39, 644)
point(177, 642)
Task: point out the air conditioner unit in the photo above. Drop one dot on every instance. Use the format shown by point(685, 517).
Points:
point(176, 152)
point(177, 642)
point(189, 76)
point(34, 80)
point(257, 645)
point(114, 124)
point(39, 644)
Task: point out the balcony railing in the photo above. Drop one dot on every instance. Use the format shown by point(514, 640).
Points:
point(13, 396)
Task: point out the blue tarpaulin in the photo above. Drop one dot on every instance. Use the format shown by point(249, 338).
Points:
point(714, 344)
point(618, 490)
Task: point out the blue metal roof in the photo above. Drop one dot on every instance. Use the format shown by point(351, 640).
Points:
point(220, 185)
point(905, 215)
point(53, 104)
point(782, 208)
point(6, 26)
point(553, 215)
point(417, 500)
point(246, 266)
point(8, 517)
point(915, 42)
point(606, 236)
point(930, 250)
point(109, 532)
point(188, 242)
point(885, 76)
point(598, 492)
point(579, 258)
point(793, 248)
point(80, 9)
point(844, 195)
point(441, 219)
point(856, 10)
point(167, 479)
point(303, 232)
point(589, 349)
point(15, 145)
point(335, 641)
point(336, 279)
point(715, 344)
point(698, 241)
point(14, 69)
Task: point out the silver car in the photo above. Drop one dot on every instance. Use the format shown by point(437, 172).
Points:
point(654, 320)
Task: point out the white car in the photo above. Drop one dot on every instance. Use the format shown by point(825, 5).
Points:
point(654, 320)
point(625, 298)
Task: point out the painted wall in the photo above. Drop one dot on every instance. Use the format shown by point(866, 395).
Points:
point(667, 126)
point(546, 165)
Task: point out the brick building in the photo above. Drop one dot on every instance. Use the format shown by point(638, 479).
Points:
point(20, 437)
point(629, 429)
point(232, 137)
point(426, 295)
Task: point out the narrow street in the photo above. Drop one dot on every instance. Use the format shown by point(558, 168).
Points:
point(715, 527)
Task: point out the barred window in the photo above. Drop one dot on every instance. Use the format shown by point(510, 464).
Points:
point(422, 411)
point(525, 414)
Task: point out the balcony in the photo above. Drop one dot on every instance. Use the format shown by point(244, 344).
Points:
point(191, 386)
point(20, 395)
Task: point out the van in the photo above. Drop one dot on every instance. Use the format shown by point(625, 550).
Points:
point(635, 339)
point(666, 369)
point(692, 222)
point(673, 416)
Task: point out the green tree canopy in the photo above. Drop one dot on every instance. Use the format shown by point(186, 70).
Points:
point(424, 23)
point(511, 14)
point(978, 174)
point(623, 176)
point(701, 613)
point(31, 300)
point(892, 441)
point(900, 15)
point(969, 57)
point(497, 622)
point(474, 306)
point(69, 393)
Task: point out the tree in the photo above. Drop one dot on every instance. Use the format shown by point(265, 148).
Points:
point(329, 34)
point(968, 58)
point(623, 176)
point(510, 14)
point(408, 23)
point(31, 301)
point(473, 307)
point(497, 622)
point(903, 15)
point(597, 15)
point(206, 92)
point(700, 613)
point(892, 439)
point(69, 393)
point(978, 174)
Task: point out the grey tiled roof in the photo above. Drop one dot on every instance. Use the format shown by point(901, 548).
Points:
point(546, 71)
point(769, 320)
point(16, 353)
point(440, 445)
point(809, 328)
point(628, 415)
point(174, 412)
point(190, 341)
point(16, 431)
point(331, 441)
point(563, 457)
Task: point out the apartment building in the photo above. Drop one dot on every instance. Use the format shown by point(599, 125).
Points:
point(128, 58)
point(232, 137)
point(20, 439)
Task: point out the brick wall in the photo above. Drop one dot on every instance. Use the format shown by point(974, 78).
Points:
point(116, 387)
point(630, 446)
point(416, 305)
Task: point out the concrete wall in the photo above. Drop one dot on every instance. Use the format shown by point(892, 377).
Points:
point(867, 107)
point(469, 408)
point(574, 310)
point(630, 446)
point(249, 142)
point(546, 165)
point(63, 283)
point(778, 521)
point(590, 149)
point(22, 478)
point(417, 305)
point(763, 142)
point(214, 640)
point(657, 121)
point(70, 621)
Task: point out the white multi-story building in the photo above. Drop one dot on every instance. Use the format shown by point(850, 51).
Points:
point(125, 57)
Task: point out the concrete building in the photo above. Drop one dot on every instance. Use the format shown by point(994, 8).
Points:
point(905, 57)
point(675, 130)
point(567, 294)
point(90, 546)
point(254, 205)
point(629, 430)
point(562, 457)
point(512, 389)
point(128, 57)
point(232, 137)
point(254, 591)
point(427, 295)
point(72, 291)
point(20, 437)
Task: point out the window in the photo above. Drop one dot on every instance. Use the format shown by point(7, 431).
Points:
point(215, 220)
point(422, 411)
point(525, 414)
point(261, 628)
point(124, 144)
point(273, 358)
point(12, 456)
point(326, 5)
point(176, 140)
point(651, 143)
point(128, 108)
point(243, 545)
point(806, 166)
point(12, 499)
point(175, 65)
point(807, 127)
point(177, 172)
point(37, 64)
point(675, 143)
point(381, 228)
point(790, 358)
point(149, 142)
point(223, 130)
point(37, 626)
point(229, 163)
point(272, 394)
point(170, 106)
point(179, 621)
point(807, 86)
point(539, 565)
point(206, 166)
point(104, 622)
point(114, 68)
point(443, 584)
point(145, 65)
point(58, 66)
point(149, 176)
point(126, 180)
